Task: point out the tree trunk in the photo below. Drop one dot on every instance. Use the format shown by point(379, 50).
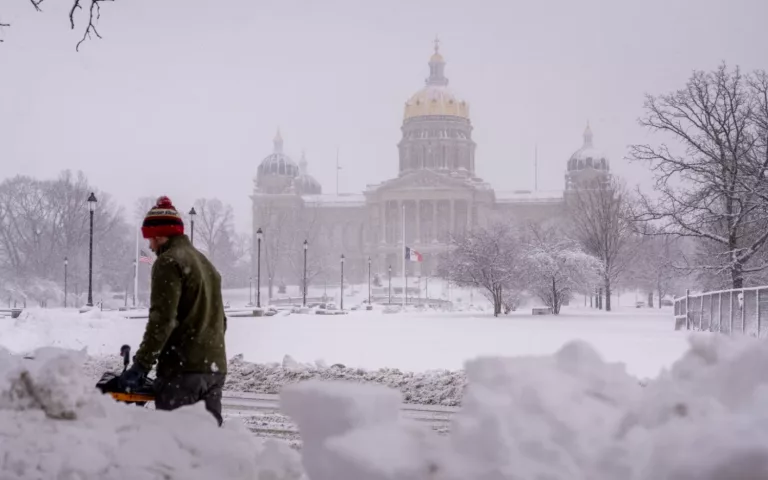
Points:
point(497, 294)
point(650, 299)
point(555, 303)
point(600, 298)
point(658, 290)
point(607, 295)
point(737, 276)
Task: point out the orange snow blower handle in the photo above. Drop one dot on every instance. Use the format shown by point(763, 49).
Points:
point(132, 397)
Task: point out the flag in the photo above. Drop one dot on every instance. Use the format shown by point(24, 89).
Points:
point(412, 255)
point(144, 258)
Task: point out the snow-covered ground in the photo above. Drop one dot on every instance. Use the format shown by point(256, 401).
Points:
point(564, 416)
point(643, 339)
point(54, 424)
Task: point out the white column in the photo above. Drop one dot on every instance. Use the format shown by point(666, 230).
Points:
point(453, 218)
point(469, 215)
point(383, 222)
point(418, 222)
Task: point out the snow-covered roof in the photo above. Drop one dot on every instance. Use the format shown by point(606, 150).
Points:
point(330, 200)
point(527, 196)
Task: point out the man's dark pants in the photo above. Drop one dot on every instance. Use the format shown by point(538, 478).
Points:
point(190, 388)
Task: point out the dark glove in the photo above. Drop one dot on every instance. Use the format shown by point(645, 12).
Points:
point(133, 378)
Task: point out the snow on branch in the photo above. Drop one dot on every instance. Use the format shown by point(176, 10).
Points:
point(714, 187)
point(557, 267)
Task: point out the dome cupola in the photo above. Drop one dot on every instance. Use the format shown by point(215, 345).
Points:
point(277, 169)
point(588, 156)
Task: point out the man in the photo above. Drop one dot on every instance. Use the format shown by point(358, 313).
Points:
point(185, 331)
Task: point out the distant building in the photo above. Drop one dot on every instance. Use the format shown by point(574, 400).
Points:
point(436, 186)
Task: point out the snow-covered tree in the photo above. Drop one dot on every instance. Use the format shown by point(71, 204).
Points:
point(557, 267)
point(714, 186)
point(489, 259)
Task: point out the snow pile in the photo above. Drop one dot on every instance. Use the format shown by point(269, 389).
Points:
point(439, 387)
point(54, 424)
point(566, 416)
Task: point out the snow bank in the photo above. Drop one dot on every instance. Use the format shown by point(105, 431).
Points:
point(566, 416)
point(54, 424)
point(439, 387)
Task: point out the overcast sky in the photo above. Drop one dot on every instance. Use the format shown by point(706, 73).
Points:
point(183, 97)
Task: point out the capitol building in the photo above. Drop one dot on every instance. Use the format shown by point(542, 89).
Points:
point(436, 187)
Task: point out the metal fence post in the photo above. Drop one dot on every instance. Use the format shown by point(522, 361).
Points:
point(687, 315)
point(730, 315)
point(757, 309)
point(743, 309)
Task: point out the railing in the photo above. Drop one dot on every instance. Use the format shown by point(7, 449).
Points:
point(741, 311)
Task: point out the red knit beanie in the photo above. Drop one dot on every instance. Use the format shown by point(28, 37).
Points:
point(163, 220)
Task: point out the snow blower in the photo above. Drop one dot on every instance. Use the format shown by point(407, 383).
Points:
point(110, 383)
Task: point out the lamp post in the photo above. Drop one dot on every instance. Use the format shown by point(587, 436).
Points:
point(304, 302)
point(192, 214)
point(342, 281)
point(91, 208)
point(390, 284)
point(66, 263)
point(250, 290)
point(369, 280)
point(259, 234)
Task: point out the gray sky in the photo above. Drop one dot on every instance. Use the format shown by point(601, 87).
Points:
point(183, 97)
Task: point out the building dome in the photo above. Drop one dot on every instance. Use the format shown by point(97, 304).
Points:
point(588, 156)
point(277, 169)
point(436, 99)
point(304, 183)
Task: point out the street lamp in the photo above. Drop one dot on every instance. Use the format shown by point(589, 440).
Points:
point(390, 284)
point(66, 262)
point(342, 281)
point(259, 234)
point(250, 290)
point(369, 280)
point(192, 214)
point(305, 274)
point(91, 208)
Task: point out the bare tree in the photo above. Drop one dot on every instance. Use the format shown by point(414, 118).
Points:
point(602, 224)
point(557, 267)
point(716, 190)
point(214, 221)
point(488, 259)
point(142, 206)
point(44, 221)
point(93, 7)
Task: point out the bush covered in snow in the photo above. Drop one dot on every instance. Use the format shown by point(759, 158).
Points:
point(567, 416)
point(55, 424)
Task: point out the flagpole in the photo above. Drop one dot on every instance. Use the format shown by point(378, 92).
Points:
point(405, 280)
point(337, 170)
point(136, 268)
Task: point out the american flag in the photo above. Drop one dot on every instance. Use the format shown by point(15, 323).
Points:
point(145, 258)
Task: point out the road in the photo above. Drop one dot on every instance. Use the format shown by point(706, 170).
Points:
point(261, 414)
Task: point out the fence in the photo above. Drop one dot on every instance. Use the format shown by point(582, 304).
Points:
point(741, 311)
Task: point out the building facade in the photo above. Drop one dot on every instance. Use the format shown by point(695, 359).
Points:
point(436, 191)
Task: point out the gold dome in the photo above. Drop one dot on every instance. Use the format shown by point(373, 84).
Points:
point(436, 100)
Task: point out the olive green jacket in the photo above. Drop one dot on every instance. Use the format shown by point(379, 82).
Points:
point(185, 331)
